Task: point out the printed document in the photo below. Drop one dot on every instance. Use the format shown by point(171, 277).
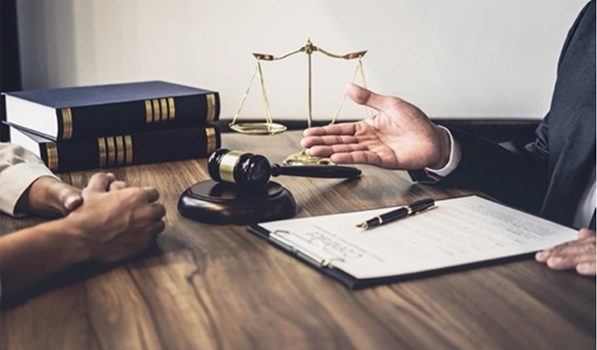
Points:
point(455, 232)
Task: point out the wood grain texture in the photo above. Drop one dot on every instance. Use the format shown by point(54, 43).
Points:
point(219, 287)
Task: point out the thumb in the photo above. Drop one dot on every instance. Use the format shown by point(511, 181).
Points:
point(100, 182)
point(70, 199)
point(585, 232)
point(369, 98)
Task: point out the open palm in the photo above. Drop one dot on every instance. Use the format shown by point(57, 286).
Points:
point(399, 136)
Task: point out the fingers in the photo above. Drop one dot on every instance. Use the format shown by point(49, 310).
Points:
point(359, 157)
point(151, 194)
point(100, 182)
point(585, 232)
point(155, 225)
point(157, 211)
point(334, 129)
point(117, 185)
point(332, 144)
point(586, 268)
point(157, 228)
point(144, 198)
point(578, 254)
point(368, 98)
point(339, 135)
point(326, 151)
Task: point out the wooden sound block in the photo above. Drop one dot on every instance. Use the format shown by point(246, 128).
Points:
point(222, 203)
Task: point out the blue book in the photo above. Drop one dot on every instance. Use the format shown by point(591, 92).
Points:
point(120, 150)
point(116, 109)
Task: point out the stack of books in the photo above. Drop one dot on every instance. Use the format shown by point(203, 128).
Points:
point(103, 126)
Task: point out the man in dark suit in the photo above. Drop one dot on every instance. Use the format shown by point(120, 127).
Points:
point(552, 176)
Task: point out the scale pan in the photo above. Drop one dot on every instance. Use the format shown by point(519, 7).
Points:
point(258, 128)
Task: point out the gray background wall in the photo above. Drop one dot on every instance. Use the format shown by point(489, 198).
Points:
point(460, 58)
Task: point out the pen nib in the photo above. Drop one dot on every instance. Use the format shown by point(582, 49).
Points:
point(363, 225)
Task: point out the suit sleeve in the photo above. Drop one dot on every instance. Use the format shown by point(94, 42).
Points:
point(516, 177)
point(19, 168)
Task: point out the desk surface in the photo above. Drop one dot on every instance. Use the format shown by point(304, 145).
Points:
point(219, 287)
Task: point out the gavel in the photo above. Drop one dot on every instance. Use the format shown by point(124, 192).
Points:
point(252, 171)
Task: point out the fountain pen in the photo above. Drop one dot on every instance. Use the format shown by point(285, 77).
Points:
point(401, 212)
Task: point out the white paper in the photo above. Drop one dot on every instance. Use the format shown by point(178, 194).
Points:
point(455, 232)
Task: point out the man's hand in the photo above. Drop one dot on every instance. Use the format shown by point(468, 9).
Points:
point(116, 221)
point(49, 197)
point(400, 136)
point(578, 254)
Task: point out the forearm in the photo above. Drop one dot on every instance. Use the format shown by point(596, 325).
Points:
point(30, 256)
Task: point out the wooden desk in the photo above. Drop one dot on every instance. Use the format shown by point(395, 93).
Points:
point(219, 287)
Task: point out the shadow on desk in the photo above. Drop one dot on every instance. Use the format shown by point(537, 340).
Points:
point(76, 274)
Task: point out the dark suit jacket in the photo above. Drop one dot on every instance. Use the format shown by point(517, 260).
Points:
point(548, 175)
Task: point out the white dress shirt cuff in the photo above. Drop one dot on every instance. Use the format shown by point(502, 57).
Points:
point(455, 156)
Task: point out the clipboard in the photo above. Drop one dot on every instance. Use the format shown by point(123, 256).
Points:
point(324, 266)
point(510, 225)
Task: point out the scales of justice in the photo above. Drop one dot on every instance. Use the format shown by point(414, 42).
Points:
point(269, 127)
point(239, 191)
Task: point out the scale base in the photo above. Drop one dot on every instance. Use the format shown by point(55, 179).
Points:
point(304, 158)
point(222, 203)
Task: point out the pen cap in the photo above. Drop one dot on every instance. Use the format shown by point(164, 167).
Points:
point(246, 170)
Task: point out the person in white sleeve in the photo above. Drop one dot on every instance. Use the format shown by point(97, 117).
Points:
point(107, 221)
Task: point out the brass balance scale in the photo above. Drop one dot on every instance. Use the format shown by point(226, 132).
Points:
point(269, 127)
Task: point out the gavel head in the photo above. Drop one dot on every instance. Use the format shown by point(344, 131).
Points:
point(245, 170)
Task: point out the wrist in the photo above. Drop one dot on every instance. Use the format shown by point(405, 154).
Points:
point(73, 239)
point(443, 146)
point(50, 197)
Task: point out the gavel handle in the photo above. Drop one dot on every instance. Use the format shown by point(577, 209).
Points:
point(327, 171)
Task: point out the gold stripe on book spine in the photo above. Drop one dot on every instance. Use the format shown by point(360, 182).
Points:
point(171, 108)
point(148, 112)
point(52, 153)
point(111, 151)
point(210, 137)
point(128, 145)
point(119, 150)
point(156, 111)
point(67, 123)
point(164, 108)
point(211, 107)
point(101, 150)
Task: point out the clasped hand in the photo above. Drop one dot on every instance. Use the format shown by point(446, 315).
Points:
point(115, 221)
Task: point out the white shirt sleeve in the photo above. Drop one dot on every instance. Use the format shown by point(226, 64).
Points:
point(455, 156)
point(19, 168)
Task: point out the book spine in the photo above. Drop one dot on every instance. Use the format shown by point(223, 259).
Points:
point(137, 116)
point(134, 149)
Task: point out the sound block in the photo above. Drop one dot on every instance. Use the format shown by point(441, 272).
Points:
point(222, 203)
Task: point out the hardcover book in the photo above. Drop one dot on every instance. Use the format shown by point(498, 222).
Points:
point(115, 151)
point(116, 109)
